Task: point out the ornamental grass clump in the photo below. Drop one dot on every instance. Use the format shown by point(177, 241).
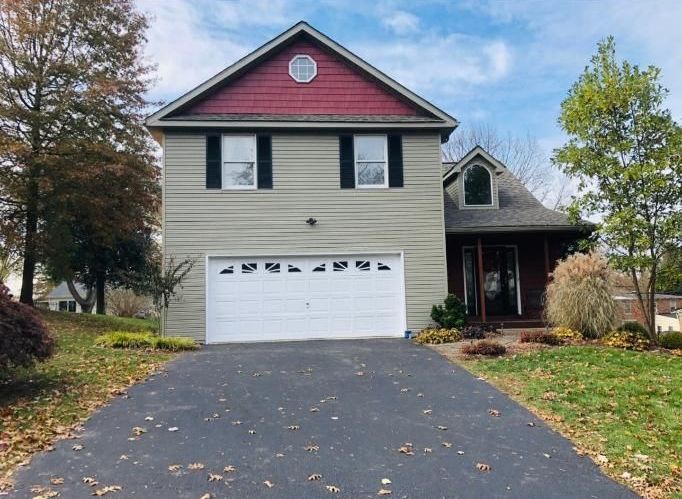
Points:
point(580, 296)
point(437, 336)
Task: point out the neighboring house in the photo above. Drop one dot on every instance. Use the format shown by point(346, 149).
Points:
point(667, 310)
point(60, 299)
point(308, 187)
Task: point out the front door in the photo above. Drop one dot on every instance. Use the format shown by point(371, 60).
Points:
point(500, 286)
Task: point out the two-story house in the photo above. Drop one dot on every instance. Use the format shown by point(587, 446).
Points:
point(308, 187)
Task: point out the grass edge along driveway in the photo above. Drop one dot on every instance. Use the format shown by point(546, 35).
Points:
point(622, 408)
point(41, 405)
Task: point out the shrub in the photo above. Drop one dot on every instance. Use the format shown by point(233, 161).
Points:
point(437, 336)
point(484, 347)
point(671, 340)
point(452, 314)
point(580, 295)
point(24, 337)
point(540, 337)
point(126, 339)
point(475, 332)
point(626, 339)
point(567, 335)
point(126, 303)
point(634, 327)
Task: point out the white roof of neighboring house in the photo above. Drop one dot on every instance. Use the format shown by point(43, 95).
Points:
point(61, 292)
point(658, 296)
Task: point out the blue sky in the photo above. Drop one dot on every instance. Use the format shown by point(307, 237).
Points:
point(504, 63)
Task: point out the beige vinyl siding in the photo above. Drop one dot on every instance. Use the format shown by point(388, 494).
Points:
point(200, 221)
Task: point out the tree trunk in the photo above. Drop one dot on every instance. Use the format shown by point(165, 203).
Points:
point(29, 267)
point(99, 286)
point(86, 303)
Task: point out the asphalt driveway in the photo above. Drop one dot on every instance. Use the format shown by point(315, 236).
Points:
point(339, 410)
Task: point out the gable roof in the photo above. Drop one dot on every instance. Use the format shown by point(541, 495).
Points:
point(456, 167)
point(162, 117)
point(518, 210)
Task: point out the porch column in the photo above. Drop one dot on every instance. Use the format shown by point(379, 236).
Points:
point(481, 292)
point(546, 258)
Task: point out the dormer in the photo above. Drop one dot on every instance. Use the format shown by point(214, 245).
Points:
point(476, 175)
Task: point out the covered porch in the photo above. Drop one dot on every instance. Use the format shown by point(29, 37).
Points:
point(501, 276)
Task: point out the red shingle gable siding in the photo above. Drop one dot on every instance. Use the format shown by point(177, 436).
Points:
point(337, 89)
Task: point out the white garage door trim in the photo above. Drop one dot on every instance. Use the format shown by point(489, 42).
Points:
point(402, 319)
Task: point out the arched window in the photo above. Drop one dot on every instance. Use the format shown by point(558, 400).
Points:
point(478, 186)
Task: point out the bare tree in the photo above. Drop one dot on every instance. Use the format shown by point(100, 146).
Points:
point(521, 154)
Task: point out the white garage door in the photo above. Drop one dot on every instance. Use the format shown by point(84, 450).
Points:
point(292, 298)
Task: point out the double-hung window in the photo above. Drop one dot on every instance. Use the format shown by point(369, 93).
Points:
point(239, 162)
point(371, 161)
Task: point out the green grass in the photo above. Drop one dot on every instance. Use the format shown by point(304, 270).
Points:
point(42, 404)
point(617, 404)
point(126, 339)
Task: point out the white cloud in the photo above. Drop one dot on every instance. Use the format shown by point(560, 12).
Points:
point(401, 22)
point(190, 41)
point(447, 65)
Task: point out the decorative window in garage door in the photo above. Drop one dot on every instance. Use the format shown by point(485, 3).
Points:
point(272, 268)
point(362, 264)
point(340, 266)
point(228, 270)
point(320, 268)
point(249, 268)
point(293, 268)
point(383, 266)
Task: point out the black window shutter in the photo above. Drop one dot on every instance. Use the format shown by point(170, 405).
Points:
point(395, 160)
point(347, 160)
point(264, 155)
point(213, 170)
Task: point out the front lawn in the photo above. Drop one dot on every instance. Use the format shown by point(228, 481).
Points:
point(622, 408)
point(43, 404)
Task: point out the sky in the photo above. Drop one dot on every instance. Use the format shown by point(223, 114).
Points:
point(507, 64)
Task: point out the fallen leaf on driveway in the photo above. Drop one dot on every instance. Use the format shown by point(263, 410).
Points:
point(123, 457)
point(268, 484)
point(482, 467)
point(315, 476)
point(174, 467)
point(406, 449)
point(460, 452)
point(88, 480)
point(173, 428)
point(531, 424)
point(293, 427)
point(441, 427)
point(333, 489)
point(312, 447)
point(195, 466)
point(427, 450)
point(494, 413)
point(149, 418)
point(427, 411)
point(229, 469)
point(207, 495)
point(359, 373)
point(46, 494)
point(447, 445)
point(384, 492)
point(105, 490)
point(386, 481)
point(314, 409)
point(57, 481)
point(138, 430)
point(252, 432)
point(77, 447)
point(214, 478)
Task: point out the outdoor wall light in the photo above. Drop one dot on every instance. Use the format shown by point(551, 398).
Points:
point(311, 221)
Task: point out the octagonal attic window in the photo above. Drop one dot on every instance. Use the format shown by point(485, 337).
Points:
point(302, 68)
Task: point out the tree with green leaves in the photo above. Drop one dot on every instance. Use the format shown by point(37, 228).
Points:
point(625, 151)
point(72, 81)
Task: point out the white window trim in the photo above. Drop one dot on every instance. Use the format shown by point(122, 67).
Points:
point(314, 67)
point(464, 192)
point(355, 161)
point(252, 187)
